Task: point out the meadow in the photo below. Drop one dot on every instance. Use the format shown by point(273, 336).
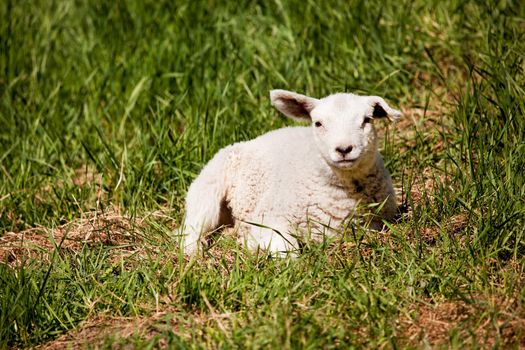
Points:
point(109, 109)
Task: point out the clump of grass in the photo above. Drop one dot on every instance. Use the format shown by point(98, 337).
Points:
point(113, 107)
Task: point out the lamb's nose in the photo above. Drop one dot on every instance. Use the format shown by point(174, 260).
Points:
point(344, 150)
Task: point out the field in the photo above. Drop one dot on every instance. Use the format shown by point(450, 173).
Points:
point(109, 109)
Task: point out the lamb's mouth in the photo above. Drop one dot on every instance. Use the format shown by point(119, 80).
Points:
point(345, 163)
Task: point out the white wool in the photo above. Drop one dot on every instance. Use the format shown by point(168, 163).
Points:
point(295, 180)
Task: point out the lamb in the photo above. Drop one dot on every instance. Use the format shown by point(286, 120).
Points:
point(278, 186)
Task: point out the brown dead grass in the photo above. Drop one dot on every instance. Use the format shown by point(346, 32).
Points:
point(453, 226)
point(92, 333)
point(87, 175)
point(492, 321)
point(107, 228)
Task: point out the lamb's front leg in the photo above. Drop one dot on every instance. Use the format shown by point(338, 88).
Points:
point(272, 236)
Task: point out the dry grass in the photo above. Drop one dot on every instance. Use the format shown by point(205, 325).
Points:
point(497, 321)
point(109, 228)
point(93, 332)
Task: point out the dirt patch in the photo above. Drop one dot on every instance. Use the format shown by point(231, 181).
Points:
point(87, 175)
point(91, 334)
point(107, 228)
point(451, 227)
point(424, 185)
point(483, 322)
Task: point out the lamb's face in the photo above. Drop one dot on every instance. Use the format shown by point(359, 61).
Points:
point(343, 130)
point(342, 124)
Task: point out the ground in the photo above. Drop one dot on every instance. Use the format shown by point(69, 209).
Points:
point(110, 109)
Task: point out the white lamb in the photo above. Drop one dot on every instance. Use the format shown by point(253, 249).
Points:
point(294, 180)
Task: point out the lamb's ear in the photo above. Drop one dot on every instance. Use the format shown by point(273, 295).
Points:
point(292, 104)
point(381, 109)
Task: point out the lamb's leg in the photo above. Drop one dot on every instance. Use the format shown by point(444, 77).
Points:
point(273, 237)
point(206, 202)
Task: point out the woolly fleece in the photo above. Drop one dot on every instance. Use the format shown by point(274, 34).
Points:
point(295, 181)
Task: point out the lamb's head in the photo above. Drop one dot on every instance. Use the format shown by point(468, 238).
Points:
point(342, 123)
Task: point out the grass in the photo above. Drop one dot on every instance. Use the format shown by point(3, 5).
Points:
point(110, 109)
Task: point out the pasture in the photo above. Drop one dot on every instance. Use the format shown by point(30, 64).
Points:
point(109, 109)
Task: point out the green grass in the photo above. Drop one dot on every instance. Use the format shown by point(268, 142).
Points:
point(115, 106)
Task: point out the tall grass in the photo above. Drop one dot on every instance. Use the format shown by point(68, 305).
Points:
point(119, 104)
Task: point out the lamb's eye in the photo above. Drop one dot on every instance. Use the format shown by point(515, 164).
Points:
point(367, 120)
point(318, 124)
